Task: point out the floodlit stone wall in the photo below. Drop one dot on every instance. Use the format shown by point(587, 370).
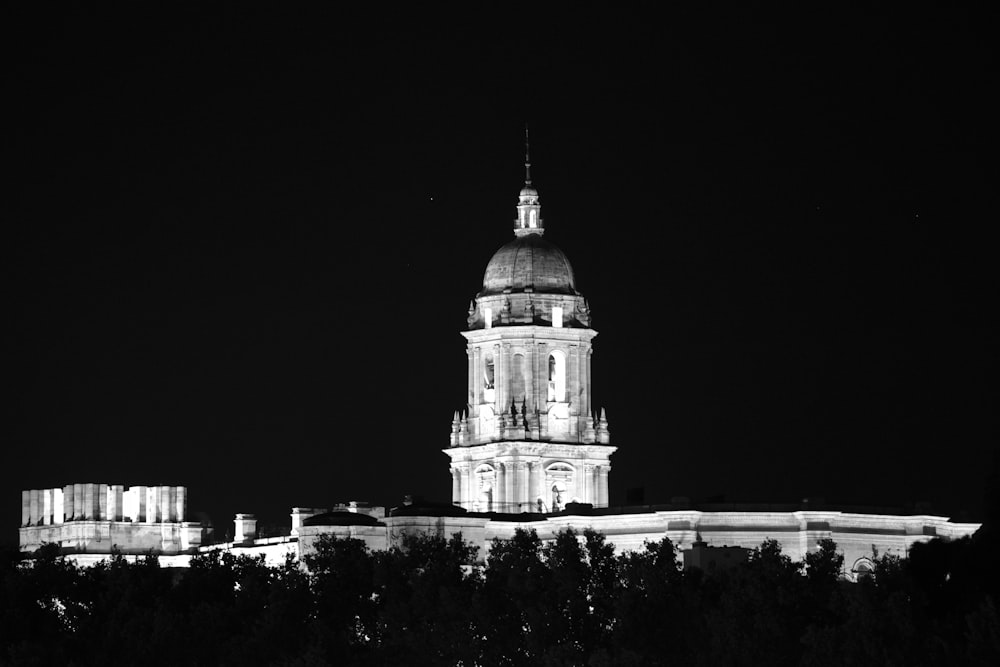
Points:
point(93, 518)
point(856, 535)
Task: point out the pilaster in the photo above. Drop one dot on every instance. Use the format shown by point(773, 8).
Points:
point(542, 375)
point(469, 490)
point(477, 378)
point(498, 379)
point(521, 483)
point(102, 502)
point(79, 509)
point(47, 506)
point(532, 485)
point(89, 501)
point(69, 509)
point(470, 356)
point(510, 500)
point(505, 389)
point(499, 497)
point(34, 510)
point(58, 505)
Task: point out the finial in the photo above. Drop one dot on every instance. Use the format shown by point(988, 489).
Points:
point(527, 157)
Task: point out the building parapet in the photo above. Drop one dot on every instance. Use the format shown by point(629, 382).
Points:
point(97, 518)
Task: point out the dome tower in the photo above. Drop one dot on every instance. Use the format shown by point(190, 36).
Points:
point(529, 439)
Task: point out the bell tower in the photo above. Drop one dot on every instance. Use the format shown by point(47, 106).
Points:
point(529, 438)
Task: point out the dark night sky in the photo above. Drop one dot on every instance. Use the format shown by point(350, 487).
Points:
point(239, 247)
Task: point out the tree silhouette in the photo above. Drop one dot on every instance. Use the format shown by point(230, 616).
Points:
point(568, 601)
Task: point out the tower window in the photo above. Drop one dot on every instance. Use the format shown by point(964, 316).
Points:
point(557, 314)
point(488, 317)
point(488, 389)
point(557, 376)
point(534, 218)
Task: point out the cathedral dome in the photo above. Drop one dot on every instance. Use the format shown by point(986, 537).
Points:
point(528, 261)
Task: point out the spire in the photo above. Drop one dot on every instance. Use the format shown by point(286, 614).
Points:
point(529, 211)
point(527, 157)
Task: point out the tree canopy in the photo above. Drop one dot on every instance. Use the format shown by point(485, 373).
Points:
point(571, 601)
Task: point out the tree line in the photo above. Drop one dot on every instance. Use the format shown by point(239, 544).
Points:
point(572, 601)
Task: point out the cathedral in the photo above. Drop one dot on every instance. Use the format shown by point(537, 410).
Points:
point(529, 450)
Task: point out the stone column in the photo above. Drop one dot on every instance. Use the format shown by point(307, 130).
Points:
point(477, 377)
point(588, 479)
point(79, 510)
point(520, 486)
point(102, 502)
point(585, 409)
point(498, 489)
point(26, 508)
point(165, 504)
point(58, 505)
point(531, 376)
point(533, 486)
point(69, 510)
point(141, 496)
point(472, 377)
point(587, 382)
point(603, 486)
point(498, 379)
point(542, 376)
point(468, 485)
point(573, 378)
point(181, 503)
point(89, 501)
point(504, 389)
point(510, 500)
point(35, 507)
point(514, 495)
point(114, 502)
point(152, 504)
point(597, 486)
point(47, 507)
point(456, 487)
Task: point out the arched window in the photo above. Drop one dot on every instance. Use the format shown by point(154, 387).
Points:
point(488, 317)
point(534, 219)
point(489, 392)
point(863, 568)
point(485, 479)
point(557, 376)
point(560, 485)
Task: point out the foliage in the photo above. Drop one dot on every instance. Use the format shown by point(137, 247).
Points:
point(569, 601)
